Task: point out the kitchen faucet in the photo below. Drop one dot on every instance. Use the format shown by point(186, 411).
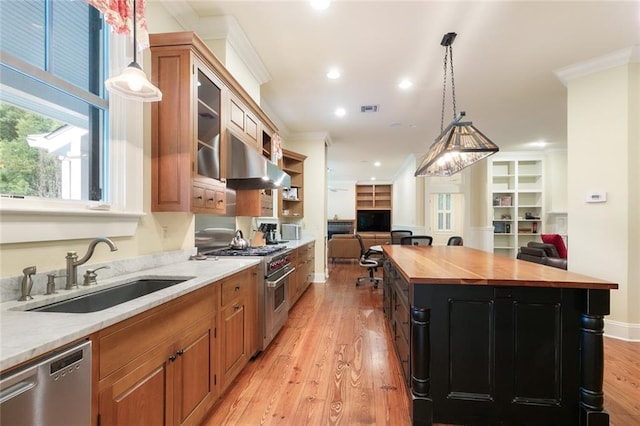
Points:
point(73, 262)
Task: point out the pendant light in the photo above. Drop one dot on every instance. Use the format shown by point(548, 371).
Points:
point(460, 144)
point(132, 83)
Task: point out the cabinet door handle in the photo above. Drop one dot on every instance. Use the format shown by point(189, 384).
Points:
point(237, 288)
point(180, 352)
point(172, 358)
point(236, 308)
point(210, 199)
point(199, 197)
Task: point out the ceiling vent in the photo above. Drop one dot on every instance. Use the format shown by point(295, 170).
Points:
point(369, 108)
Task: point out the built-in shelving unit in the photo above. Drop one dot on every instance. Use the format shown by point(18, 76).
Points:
point(517, 203)
point(291, 201)
point(371, 197)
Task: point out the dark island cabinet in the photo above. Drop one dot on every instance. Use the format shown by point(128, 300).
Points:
point(494, 355)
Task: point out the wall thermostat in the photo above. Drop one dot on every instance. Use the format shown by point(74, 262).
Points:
point(596, 197)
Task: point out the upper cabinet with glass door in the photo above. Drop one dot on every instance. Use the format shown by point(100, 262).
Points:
point(187, 154)
point(201, 100)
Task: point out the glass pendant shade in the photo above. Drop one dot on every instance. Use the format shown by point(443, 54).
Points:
point(132, 83)
point(458, 146)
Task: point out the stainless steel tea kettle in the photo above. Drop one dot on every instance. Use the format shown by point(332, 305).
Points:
point(238, 242)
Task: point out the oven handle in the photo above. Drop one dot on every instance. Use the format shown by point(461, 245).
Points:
point(274, 284)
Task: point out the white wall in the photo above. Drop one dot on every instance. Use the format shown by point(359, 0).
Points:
point(315, 194)
point(408, 199)
point(603, 156)
point(341, 200)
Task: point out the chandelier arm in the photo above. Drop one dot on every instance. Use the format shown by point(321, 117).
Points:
point(444, 88)
point(135, 48)
point(453, 83)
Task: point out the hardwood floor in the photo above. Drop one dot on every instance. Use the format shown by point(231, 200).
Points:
point(333, 363)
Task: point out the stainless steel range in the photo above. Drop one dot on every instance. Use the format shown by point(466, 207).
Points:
point(273, 300)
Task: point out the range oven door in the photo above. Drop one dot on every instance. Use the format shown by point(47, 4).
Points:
point(276, 302)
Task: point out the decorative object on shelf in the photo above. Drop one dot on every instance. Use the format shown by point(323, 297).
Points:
point(460, 144)
point(277, 147)
point(505, 201)
point(132, 83)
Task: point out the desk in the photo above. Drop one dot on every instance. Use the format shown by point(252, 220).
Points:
point(485, 339)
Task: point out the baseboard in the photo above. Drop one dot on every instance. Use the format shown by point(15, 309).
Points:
point(319, 278)
point(622, 330)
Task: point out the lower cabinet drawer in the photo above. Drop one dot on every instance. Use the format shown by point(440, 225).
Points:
point(234, 287)
point(132, 338)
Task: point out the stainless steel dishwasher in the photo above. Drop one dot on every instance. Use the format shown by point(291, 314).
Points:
point(53, 390)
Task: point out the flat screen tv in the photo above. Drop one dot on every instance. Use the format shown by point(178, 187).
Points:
point(374, 220)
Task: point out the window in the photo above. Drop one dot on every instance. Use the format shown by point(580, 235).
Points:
point(53, 111)
point(53, 60)
point(444, 212)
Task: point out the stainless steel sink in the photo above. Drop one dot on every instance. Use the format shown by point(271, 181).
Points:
point(109, 297)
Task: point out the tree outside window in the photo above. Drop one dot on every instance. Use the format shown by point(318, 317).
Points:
point(53, 107)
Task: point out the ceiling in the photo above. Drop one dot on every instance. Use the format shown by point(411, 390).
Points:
point(504, 60)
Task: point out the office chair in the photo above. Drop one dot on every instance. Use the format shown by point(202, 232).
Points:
point(397, 235)
point(371, 260)
point(417, 240)
point(454, 241)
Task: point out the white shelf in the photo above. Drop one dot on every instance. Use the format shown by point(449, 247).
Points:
point(521, 182)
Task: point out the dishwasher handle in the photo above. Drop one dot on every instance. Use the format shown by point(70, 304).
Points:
point(18, 384)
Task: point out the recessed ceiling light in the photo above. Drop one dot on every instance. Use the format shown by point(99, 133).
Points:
point(373, 178)
point(333, 74)
point(341, 112)
point(538, 144)
point(320, 4)
point(377, 164)
point(405, 84)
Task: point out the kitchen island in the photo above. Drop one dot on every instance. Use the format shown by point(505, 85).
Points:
point(487, 339)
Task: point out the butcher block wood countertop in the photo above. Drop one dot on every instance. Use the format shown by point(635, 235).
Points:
point(464, 265)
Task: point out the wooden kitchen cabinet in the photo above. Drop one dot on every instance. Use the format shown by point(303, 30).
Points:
point(372, 197)
point(254, 202)
point(159, 367)
point(238, 323)
point(172, 384)
point(245, 123)
point(186, 149)
point(304, 261)
point(292, 283)
point(291, 202)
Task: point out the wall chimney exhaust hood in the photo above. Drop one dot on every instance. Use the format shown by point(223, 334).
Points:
point(246, 169)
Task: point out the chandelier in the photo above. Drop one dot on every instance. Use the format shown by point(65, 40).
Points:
point(460, 144)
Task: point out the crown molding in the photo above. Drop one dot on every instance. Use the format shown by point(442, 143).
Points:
point(619, 58)
point(227, 28)
point(219, 27)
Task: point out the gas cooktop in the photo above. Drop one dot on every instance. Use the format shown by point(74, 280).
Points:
point(251, 251)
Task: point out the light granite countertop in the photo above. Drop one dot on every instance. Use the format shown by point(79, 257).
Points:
point(26, 335)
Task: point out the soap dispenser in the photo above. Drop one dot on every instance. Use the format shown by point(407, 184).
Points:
point(27, 283)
